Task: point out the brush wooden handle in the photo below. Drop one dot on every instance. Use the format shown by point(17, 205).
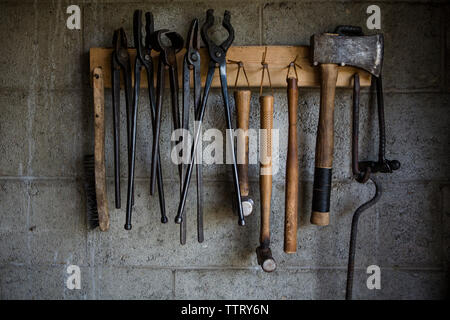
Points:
point(265, 178)
point(99, 145)
point(291, 205)
point(242, 100)
point(324, 146)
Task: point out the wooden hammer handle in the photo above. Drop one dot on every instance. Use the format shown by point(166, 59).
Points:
point(99, 146)
point(324, 146)
point(265, 179)
point(291, 209)
point(242, 100)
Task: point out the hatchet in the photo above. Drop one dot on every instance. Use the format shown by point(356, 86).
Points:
point(328, 51)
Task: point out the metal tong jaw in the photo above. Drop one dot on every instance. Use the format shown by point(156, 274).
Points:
point(120, 60)
point(191, 62)
point(217, 55)
point(143, 48)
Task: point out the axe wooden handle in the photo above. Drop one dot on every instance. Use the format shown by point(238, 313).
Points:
point(291, 205)
point(265, 183)
point(324, 146)
point(99, 146)
point(242, 100)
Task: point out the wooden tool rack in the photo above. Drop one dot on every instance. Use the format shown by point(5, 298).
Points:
point(277, 58)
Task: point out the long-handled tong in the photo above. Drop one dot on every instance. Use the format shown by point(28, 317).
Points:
point(143, 60)
point(192, 62)
point(120, 60)
point(217, 55)
point(167, 60)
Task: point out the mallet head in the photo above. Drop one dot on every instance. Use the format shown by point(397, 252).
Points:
point(364, 52)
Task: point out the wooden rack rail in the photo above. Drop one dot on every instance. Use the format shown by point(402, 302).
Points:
point(277, 58)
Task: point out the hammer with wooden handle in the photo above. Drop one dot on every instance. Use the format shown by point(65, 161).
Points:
point(330, 50)
point(263, 252)
point(242, 99)
point(291, 201)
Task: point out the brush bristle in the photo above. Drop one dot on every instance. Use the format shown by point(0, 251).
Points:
point(89, 187)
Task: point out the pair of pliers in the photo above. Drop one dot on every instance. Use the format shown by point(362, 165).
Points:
point(191, 61)
point(120, 60)
point(143, 60)
point(217, 56)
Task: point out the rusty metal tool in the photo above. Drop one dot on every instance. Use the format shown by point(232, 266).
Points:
point(242, 100)
point(217, 55)
point(292, 166)
point(364, 170)
point(192, 62)
point(143, 60)
point(328, 51)
point(263, 252)
point(120, 60)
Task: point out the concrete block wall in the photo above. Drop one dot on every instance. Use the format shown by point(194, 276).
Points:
point(46, 127)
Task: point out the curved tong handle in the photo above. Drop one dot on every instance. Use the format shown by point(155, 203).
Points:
point(149, 28)
point(137, 30)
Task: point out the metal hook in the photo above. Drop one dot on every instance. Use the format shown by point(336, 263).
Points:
point(294, 65)
point(265, 66)
point(240, 65)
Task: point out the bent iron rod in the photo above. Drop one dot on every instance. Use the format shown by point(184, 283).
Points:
point(353, 234)
point(362, 171)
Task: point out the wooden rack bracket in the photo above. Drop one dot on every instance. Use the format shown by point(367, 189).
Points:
point(278, 59)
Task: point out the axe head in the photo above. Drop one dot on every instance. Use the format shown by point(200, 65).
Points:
point(365, 52)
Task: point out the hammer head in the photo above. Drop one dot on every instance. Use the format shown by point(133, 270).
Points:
point(365, 52)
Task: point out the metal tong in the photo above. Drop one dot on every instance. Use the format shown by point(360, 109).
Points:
point(167, 60)
point(143, 60)
point(120, 60)
point(217, 55)
point(191, 61)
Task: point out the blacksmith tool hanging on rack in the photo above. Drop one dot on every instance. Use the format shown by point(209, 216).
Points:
point(217, 55)
point(242, 98)
point(292, 165)
point(192, 62)
point(328, 51)
point(120, 60)
point(143, 60)
point(167, 60)
point(363, 171)
point(263, 252)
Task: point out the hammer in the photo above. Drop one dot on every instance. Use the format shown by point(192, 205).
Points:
point(242, 99)
point(328, 51)
point(263, 252)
